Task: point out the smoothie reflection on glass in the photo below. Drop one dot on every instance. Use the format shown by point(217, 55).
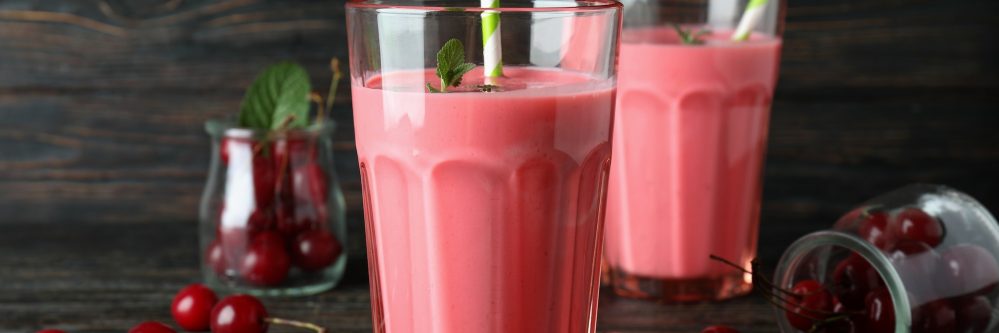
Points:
point(694, 94)
point(484, 167)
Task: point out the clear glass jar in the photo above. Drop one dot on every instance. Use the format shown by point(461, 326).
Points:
point(272, 213)
point(924, 256)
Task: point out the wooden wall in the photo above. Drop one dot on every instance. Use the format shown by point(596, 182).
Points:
point(102, 103)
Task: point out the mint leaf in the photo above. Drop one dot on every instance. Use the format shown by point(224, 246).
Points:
point(451, 65)
point(281, 91)
point(690, 37)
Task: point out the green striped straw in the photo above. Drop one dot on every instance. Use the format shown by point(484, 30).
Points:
point(492, 51)
point(750, 19)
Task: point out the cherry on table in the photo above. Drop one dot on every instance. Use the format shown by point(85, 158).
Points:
point(853, 278)
point(915, 224)
point(966, 269)
point(192, 307)
point(266, 262)
point(809, 304)
point(246, 314)
point(933, 317)
point(151, 327)
point(973, 314)
point(239, 314)
point(880, 312)
point(719, 329)
point(874, 228)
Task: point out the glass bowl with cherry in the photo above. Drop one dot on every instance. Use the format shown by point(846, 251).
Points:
point(272, 214)
point(922, 258)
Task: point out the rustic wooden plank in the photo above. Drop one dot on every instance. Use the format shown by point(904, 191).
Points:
point(92, 278)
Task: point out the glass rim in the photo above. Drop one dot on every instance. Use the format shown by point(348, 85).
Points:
point(791, 260)
point(227, 127)
point(587, 6)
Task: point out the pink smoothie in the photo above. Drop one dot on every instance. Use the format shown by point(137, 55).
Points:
point(689, 138)
point(484, 210)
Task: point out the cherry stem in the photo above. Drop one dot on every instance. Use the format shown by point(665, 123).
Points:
point(314, 97)
point(295, 323)
point(270, 135)
point(766, 282)
point(337, 75)
point(767, 288)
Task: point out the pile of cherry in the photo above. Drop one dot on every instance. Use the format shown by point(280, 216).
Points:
point(287, 225)
point(947, 285)
point(197, 309)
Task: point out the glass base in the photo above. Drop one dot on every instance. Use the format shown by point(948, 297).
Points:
point(296, 285)
point(679, 290)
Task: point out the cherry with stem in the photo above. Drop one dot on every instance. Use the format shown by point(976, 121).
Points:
point(784, 299)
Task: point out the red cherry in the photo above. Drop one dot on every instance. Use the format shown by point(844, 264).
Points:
point(915, 224)
point(266, 263)
point(314, 250)
point(239, 314)
point(837, 306)
point(51, 331)
point(224, 150)
point(880, 315)
point(216, 258)
point(264, 177)
point(810, 303)
point(966, 269)
point(905, 248)
point(853, 278)
point(260, 221)
point(719, 329)
point(151, 327)
point(973, 314)
point(932, 317)
point(288, 151)
point(192, 307)
point(309, 181)
point(874, 228)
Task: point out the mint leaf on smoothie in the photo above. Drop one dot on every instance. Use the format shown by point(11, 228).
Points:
point(451, 65)
point(689, 36)
point(278, 98)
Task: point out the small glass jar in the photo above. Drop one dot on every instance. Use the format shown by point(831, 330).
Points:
point(272, 213)
point(919, 259)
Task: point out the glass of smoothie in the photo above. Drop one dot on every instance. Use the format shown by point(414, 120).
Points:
point(484, 164)
point(694, 95)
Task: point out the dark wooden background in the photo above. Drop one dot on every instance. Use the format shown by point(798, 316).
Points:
point(102, 104)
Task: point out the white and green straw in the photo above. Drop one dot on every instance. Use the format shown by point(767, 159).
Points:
point(750, 19)
point(492, 51)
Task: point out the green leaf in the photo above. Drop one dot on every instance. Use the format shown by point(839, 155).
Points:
point(432, 89)
point(279, 92)
point(451, 65)
point(460, 71)
point(690, 37)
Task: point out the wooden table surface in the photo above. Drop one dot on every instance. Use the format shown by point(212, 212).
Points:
point(108, 277)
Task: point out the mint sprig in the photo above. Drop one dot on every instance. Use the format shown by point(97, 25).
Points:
point(277, 99)
point(451, 65)
point(689, 36)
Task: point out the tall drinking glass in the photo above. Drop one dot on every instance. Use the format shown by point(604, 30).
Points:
point(484, 204)
point(689, 139)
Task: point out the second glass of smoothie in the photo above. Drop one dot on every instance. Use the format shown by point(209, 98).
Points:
point(689, 139)
point(484, 203)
